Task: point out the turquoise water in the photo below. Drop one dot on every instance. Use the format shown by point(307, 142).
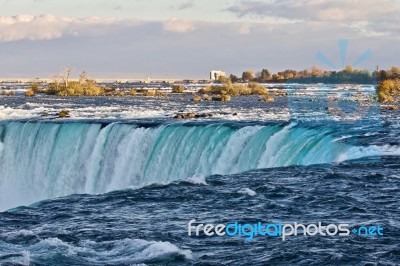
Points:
point(45, 160)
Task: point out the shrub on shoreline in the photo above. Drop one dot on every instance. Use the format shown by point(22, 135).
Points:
point(388, 89)
point(221, 98)
point(74, 88)
point(133, 92)
point(149, 93)
point(30, 92)
point(257, 89)
point(7, 93)
point(178, 89)
point(235, 89)
point(197, 98)
point(206, 97)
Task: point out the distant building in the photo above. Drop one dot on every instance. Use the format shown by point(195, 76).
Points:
point(215, 74)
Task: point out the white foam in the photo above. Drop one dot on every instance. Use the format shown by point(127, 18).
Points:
point(197, 180)
point(389, 150)
point(128, 251)
point(370, 134)
point(24, 259)
point(13, 113)
point(247, 191)
point(395, 176)
point(342, 138)
point(358, 152)
point(161, 249)
point(125, 251)
point(354, 153)
point(17, 234)
point(55, 243)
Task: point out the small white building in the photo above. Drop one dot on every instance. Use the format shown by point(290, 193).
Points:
point(216, 74)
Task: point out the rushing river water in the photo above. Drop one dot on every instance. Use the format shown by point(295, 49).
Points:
point(119, 181)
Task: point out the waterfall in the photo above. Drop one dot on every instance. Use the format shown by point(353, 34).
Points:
point(44, 160)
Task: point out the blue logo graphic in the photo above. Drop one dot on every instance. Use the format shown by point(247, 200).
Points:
point(368, 231)
point(343, 44)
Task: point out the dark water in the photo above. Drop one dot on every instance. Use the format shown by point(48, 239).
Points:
point(120, 227)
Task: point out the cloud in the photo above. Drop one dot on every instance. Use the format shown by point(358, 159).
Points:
point(244, 28)
point(179, 25)
point(185, 5)
point(124, 48)
point(369, 17)
point(320, 10)
point(47, 27)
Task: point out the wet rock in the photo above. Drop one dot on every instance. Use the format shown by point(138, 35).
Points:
point(192, 116)
point(196, 99)
point(392, 108)
point(179, 116)
point(207, 97)
point(268, 99)
point(221, 98)
point(63, 114)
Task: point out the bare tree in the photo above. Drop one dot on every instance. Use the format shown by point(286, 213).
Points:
point(56, 80)
point(83, 77)
point(65, 73)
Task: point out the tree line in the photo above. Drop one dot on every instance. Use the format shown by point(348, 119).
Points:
point(318, 75)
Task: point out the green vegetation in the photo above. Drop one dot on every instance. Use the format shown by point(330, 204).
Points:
point(248, 76)
point(206, 97)
point(7, 93)
point(389, 87)
point(63, 114)
point(347, 75)
point(133, 92)
point(388, 90)
point(222, 92)
point(222, 98)
point(245, 85)
point(178, 89)
point(30, 92)
point(257, 89)
point(197, 98)
point(235, 89)
point(149, 93)
point(393, 73)
point(74, 88)
point(312, 75)
point(62, 86)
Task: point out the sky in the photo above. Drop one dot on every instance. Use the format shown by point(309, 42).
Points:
point(189, 38)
